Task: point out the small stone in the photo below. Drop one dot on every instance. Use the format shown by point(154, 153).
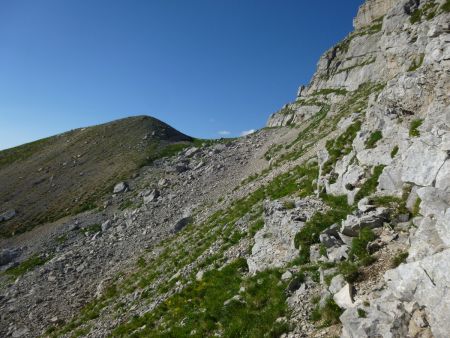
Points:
point(199, 275)
point(336, 284)
point(286, 276)
point(120, 188)
point(151, 196)
point(106, 225)
point(191, 151)
point(343, 298)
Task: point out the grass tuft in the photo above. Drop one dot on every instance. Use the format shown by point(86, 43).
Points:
point(414, 127)
point(394, 151)
point(25, 266)
point(373, 139)
point(370, 186)
point(398, 259)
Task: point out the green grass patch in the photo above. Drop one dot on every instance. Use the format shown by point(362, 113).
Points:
point(416, 207)
point(349, 270)
point(359, 244)
point(394, 151)
point(255, 227)
point(91, 229)
point(396, 205)
point(328, 314)
point(23, 152)
point(370, 185)
point(416, 16)
point(207, 307)
point(446, 6)
point(373, 139)
point(320, 221)
point(414, 127)
point(398, 259)
point(361, 313)
point(289, 204)
point(428, 11)
point(328, 91)
point(341, 146)
point(25, 266)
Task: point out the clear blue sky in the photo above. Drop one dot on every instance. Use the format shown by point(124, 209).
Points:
point(203, 66)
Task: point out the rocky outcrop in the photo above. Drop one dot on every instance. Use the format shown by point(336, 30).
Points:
point(274, 244)
point(370, 11)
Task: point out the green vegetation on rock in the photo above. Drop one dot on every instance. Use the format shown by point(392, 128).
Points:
point(446, 6)
point(328, 314)
point(414, 127)
point(370, 185)
point(428, 11)
point(373, 139)
point(394, 151)
point(320, 221)
point(417, 63)
point(398, 259)
point(217, 305)
point(25, 266)
point(341, 146)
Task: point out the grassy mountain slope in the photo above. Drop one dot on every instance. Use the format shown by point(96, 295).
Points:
point(67, 173)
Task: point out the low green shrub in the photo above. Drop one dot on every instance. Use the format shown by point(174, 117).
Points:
point(289, 204)
point(370, 186)
point(398, 259)
point(394, 151)
point(446, 6)
point(320, 221)
point(414, 127)
point(361, 313)
point(349, 271)
point(359, 244)
point(373, 139)
point(341, 146)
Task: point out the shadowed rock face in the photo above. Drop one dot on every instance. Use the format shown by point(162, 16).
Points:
point(66, 173)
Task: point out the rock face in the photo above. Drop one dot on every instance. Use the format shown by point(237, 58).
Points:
point(372, 10)
point(274, 244)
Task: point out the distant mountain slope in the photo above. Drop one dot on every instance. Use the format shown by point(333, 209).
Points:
point(67, 173)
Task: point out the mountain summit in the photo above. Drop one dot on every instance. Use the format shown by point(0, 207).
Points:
point(67, 173)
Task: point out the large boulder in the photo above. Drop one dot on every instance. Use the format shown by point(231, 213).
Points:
point(421, 163)
point(387, 319)
point(372, 219)
point(274, 244)
point(426, 282)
